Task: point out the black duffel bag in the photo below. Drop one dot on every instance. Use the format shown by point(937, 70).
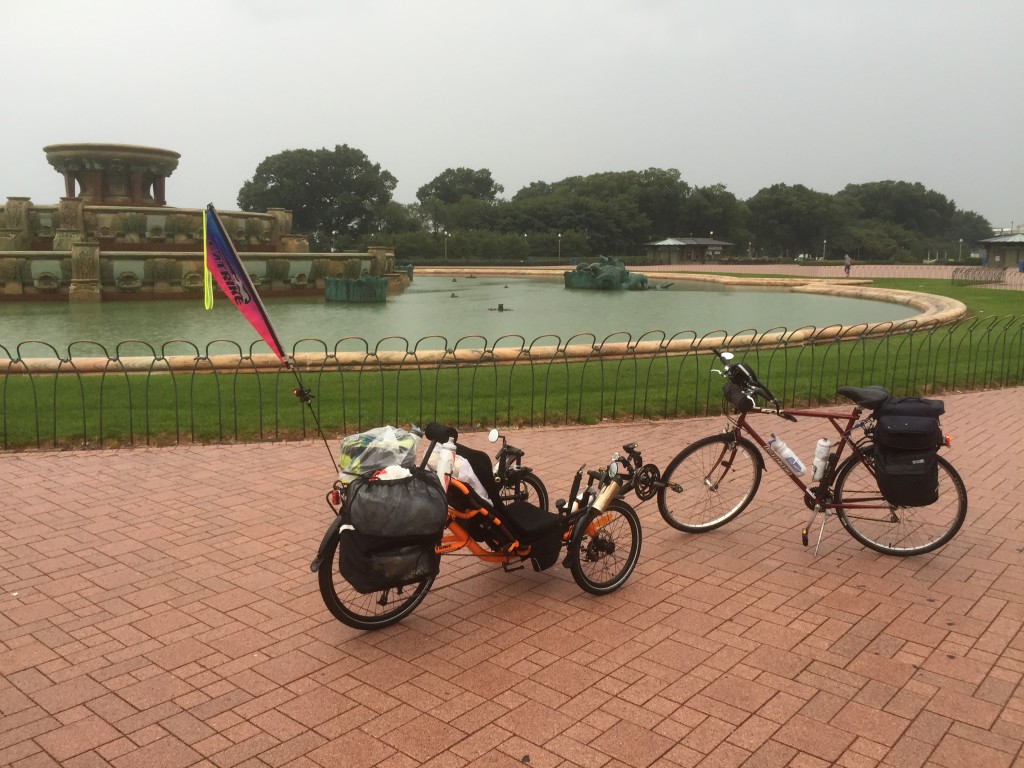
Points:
point(390, 529)
point(907, 438)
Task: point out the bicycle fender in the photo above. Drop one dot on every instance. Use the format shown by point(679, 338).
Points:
point(334, 529)
point(579, 528)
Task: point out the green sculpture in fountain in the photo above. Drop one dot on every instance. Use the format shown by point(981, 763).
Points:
point(607, 274)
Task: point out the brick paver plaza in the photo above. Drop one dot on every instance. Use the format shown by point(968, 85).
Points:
point(157, 610)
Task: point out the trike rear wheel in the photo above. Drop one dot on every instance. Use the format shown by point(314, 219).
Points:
point(894, 530)
point(709, 483)
point(375, 610)
point(603, 553)
point(527, 487)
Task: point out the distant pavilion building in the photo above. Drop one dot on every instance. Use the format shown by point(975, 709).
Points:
point(686, 250)
point(1004, 250)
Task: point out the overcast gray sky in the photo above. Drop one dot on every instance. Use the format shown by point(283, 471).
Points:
point(746, 93)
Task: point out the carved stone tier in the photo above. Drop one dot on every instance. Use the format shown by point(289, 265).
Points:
point(85, 273)
point(113, 174)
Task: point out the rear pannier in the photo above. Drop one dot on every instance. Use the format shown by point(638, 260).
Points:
point(907, 438)
point(390, 530)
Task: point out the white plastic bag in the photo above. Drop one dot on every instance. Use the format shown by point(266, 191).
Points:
point(464, 473)
point(376, 449)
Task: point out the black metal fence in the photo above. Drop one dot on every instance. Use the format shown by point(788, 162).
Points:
point(113, 400)
point(977, 275)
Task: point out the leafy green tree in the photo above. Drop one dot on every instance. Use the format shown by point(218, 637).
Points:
point(454, 184)
point(336, 196)
point(905, 220)
point(874, 240)
point(907, 204)
point(459, 198)
point(969, 226)
point(794, 219)
point(604, 207)
point(662, 197)
point(715, 209)
point(398, 217)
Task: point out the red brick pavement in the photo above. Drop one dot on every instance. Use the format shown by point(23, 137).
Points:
point(158, 610)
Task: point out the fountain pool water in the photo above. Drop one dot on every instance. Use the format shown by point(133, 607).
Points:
point(452, 307)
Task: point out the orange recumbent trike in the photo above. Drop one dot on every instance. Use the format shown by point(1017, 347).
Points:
point(381, 554)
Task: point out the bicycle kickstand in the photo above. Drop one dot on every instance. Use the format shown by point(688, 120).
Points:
point(821, 531)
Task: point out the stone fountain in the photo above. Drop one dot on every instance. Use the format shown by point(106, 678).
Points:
point(112, 236)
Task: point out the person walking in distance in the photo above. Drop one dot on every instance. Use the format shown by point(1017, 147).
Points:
point(846, 264)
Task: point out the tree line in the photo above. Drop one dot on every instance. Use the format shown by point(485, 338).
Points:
point(343, 201)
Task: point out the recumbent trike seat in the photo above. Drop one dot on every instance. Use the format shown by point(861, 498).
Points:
point(498, 523)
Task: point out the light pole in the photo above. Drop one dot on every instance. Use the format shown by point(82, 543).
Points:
point(559, 246)
point(824, 243)
point(446, 236)
point(960, 252)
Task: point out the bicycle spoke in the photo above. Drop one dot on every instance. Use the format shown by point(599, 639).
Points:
point(899, 530)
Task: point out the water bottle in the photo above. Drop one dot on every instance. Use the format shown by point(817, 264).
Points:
point(445, 460)
point(783, 451)
point(820, 459)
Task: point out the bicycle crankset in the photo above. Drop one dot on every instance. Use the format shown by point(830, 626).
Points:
point(645, 482)
point(810, 503)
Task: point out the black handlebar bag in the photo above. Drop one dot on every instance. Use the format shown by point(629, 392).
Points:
point(740, 399)
point(906, 455)
point(390, 529)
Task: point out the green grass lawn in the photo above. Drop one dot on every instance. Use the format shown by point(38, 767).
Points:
point(162, 408)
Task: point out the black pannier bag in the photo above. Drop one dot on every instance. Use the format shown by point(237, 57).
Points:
point(907, 439)
point(395, 525)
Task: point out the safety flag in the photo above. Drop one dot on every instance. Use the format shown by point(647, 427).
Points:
point(221, 262)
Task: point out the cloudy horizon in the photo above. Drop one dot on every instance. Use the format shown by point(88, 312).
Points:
point(741, 93)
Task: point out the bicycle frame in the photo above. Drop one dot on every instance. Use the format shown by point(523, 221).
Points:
point(818, 493)
point(459, 538)
point(514, 552)
point(818, 497)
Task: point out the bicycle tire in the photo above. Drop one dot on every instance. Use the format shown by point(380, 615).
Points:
point(520, 490)
point(375, 610)
point(598, 553)
point(689, 500)
point(900, 531)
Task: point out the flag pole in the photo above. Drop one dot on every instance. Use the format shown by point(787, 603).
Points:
point(235, 283)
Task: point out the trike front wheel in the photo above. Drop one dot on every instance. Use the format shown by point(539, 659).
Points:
point(709, 483)
point(375, 610)
point(894, 530)
point(603, 553)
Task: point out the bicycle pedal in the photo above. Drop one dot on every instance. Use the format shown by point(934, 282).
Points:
point(803, 536)
point(509, 568)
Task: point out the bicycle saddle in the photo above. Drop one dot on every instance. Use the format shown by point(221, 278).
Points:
point(865, 397)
